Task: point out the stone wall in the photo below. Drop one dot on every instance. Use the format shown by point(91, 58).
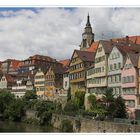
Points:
point(92, 126)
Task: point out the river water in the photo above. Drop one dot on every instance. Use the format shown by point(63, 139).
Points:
point(15, 127)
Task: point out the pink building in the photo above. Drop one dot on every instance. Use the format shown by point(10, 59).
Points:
point(130, 82)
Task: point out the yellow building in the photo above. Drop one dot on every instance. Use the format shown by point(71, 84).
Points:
point(50, 88)
point(49, 81)
point(80, 61)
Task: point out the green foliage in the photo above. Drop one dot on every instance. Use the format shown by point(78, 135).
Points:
point(58, 108)
point(44, 111)
point(108, 95)
point(92, 100)
point(79, 98)
point(29, 99)
point(70, 108)
point(66, 126)
point(5, 100)
point(120, 108)
point(32, 121)
point(29, 95)
point(15, 111)
point(78, 124)
point(69, 94)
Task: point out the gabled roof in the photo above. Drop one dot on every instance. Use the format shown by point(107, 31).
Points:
point(134, 57)
point(106, 45)
point(85, 56)
point(59, 69)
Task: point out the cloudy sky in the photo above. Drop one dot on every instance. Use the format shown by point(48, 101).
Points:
point(57, 31)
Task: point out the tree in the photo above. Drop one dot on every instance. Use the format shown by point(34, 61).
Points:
point(44, 111)
point(108, 96)
point(15, 111)
point(120, 108)
point(69, 94)
point(29, 95)
point(79, 99)
point(109, 99)
point(92, 100)
point(71, 108)
point(5, 100)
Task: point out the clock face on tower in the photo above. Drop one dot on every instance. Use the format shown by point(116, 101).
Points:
point(84, 36)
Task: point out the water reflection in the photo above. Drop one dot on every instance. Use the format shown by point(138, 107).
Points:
point(6, 126)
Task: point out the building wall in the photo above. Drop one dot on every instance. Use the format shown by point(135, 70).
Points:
point(50, 88)
point(129, 84)
point(115, 63)
point(3, 83)
point(40, 83)
point(97, 79)
point(77, 74)
point(66, 83)
point(100, 62)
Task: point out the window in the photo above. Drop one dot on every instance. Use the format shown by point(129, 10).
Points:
point(130, 103)
point(119, 65)
point(111, 67)
point(102, 69)
point(115, 66)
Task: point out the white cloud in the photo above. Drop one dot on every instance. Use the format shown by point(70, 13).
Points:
point(57, 32)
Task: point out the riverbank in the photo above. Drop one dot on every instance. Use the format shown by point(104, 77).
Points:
point(84, 125)
point(19, 127)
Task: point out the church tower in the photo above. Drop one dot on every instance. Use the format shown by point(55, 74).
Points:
point(87, 36)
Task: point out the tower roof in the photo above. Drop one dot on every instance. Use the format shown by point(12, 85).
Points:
point(88, 21)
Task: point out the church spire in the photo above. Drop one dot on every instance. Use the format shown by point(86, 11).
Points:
point(87, 36)
point(88, 20)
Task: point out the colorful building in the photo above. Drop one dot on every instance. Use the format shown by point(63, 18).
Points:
point(10, 66)
point(79, 63)
point(7, 81)
point(34, 62)
point(98, 73)
point(130, 89)
point(116, 61)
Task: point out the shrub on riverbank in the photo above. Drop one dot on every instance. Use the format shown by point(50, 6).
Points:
point(66, 126)
point(32, 121)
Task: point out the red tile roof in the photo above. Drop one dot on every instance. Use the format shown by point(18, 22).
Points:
point(15, 64)
point(64, 62)
point(131, 39)
point(93, 47)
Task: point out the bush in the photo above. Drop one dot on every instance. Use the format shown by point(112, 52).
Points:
point(32, 121)
point(79, 98)
point(70, 108)
point(15, 111)
point(66, 126)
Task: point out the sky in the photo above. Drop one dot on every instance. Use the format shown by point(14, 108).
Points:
point(56, 32)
